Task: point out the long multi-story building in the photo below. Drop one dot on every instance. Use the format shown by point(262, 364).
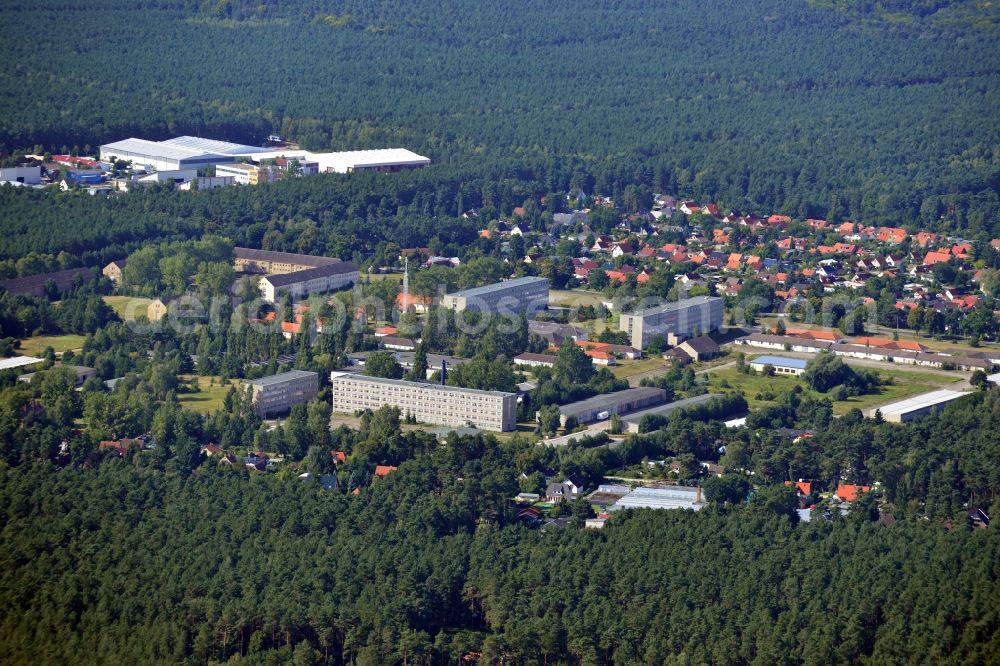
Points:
point(429, 403)
point(248, 260)
point(301, 284)
point(279, 393)
point(526, 294)
point(675, 321)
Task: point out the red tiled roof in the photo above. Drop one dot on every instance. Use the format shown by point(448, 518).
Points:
point(382, 471)
point(848, 493)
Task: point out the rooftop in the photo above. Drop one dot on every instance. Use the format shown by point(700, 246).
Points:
point(922, 401)
point(674, 497)
point(425, 385)
point(671, 407)
point(781, 362)
point(283, 257)
point(338, 268)
point(282, 377)
point(612, 399)
point(18, 362)
point(677, 305)
point(506, 284)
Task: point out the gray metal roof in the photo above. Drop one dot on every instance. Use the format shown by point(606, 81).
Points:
point(676, 305)
point(200, 145)
point(155, 149)
point(670, 407)
point(283, 377)
point(507, 284)
point(922, 401)
point(608, 400)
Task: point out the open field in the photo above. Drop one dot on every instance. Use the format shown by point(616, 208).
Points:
point(209, 397)
point(128, 307)
point(385, 277)
point(60, 343)
point(643, 366)
point(577, 297)
point(906, 384)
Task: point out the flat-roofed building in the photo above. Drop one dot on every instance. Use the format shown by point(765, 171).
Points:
point(301, 284)
point(525, 294)
point(279, 393)
point(385, 160)
point(782, 365)
point(674, 321)
point(919, 405)
point(183, 152)
point(602, 406)
point(429, 403)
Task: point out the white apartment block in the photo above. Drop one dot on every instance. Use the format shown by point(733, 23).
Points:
point(301, 284)
point(428, 403)
point(675, 321)
point(526, 294)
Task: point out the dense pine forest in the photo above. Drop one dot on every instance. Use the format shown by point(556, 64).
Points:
point(168, 557)
point(883, 112)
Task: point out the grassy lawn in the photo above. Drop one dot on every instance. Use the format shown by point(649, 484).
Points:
point(628, 369)
point(382, 277)
point(578, 297)
point(128, 307)
point(209, 398)
point(906, 384)
point(60, 343)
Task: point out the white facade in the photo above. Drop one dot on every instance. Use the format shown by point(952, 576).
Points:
point(909, 409)
point(29, 175)
point(310, 281)
point(429, 403)
point(526, 294)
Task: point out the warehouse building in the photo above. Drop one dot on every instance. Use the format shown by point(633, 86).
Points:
point(674, 321)
point(385, 160)
point(782, 365)
point(633, 420)
point(279, 393)
point(602, 406)
point(183, 152)
point(526, 294)
point(301, 284)
point(430, 403)
point(919, 405)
